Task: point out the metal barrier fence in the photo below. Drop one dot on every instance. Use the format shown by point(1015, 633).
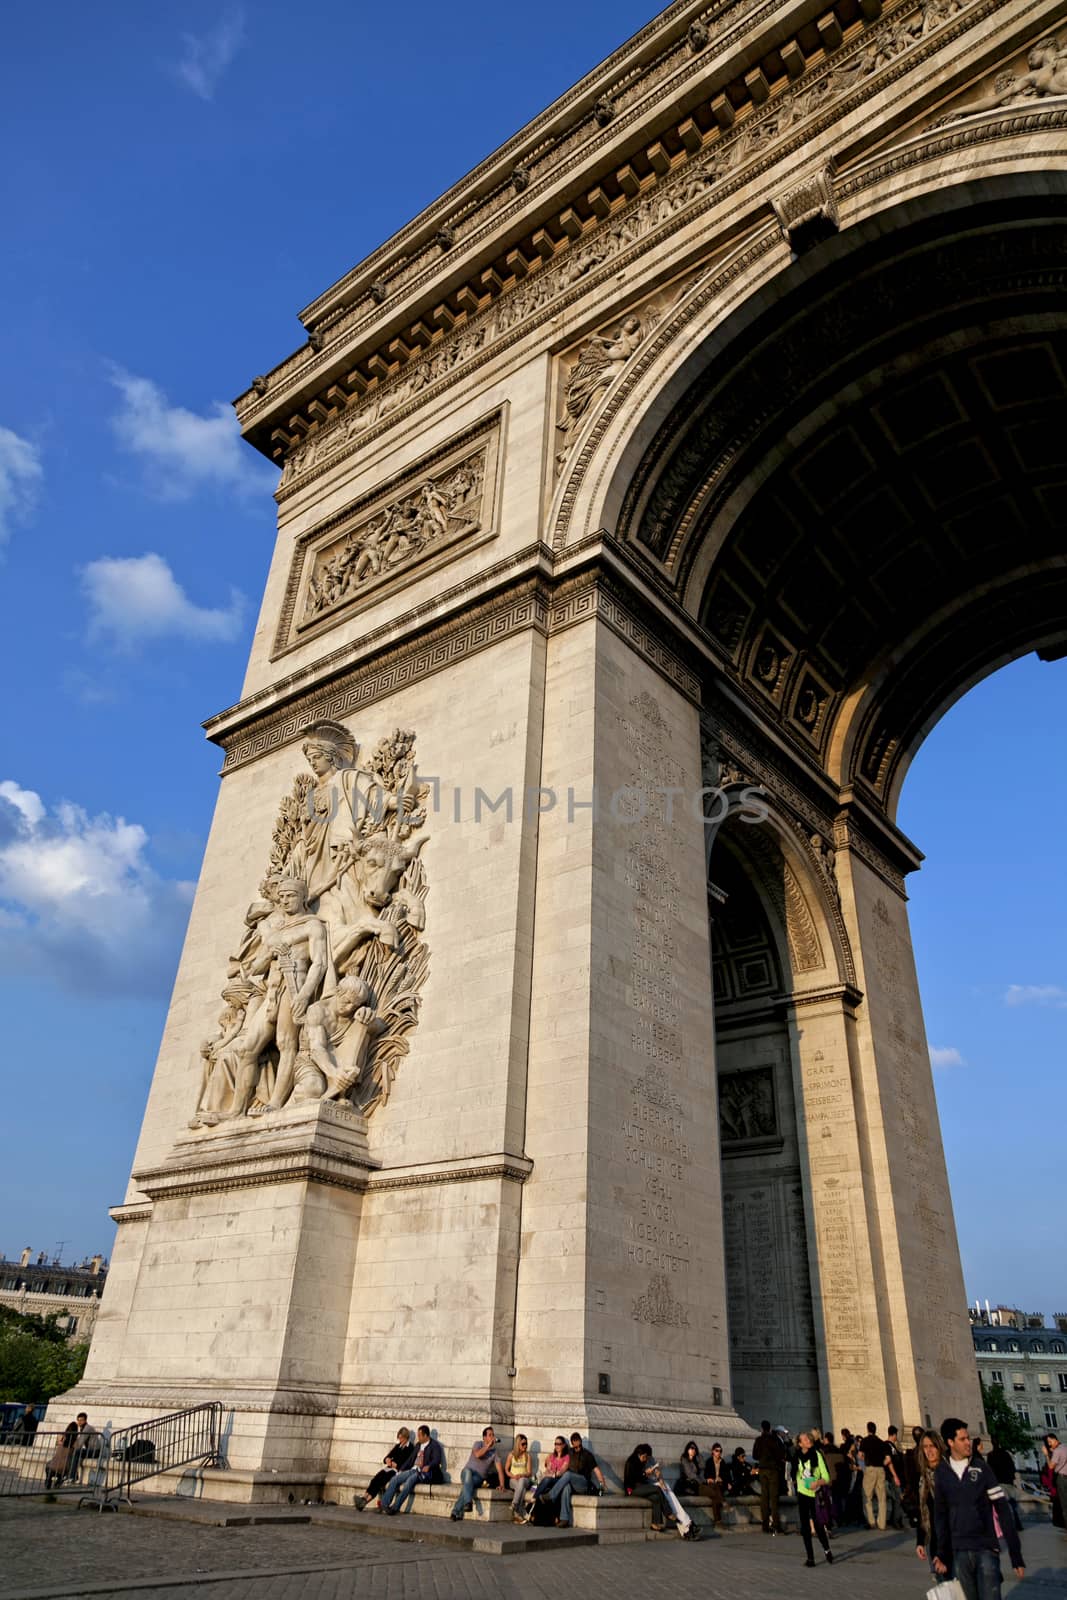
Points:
point(104, 1467)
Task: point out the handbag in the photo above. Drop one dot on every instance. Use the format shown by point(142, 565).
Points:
point(947, 1589)
point(824, 1506)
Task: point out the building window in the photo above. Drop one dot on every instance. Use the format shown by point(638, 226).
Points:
point(1056, 1347)
point(1024, 1412)
point(1017, 1381)
point(1013, 1346)
point(1037, 1348)
point(992, 1345)
point(1044, 1383)
point(1063, 1381)
point(1050, 1417)
point(998, 1377)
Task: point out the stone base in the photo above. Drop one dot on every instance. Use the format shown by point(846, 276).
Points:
point(236, 1486)
point(616, 1518)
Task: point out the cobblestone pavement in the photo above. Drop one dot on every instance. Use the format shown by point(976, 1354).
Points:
point(57, 1551)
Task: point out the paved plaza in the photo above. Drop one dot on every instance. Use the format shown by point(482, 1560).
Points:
point(53, 1551)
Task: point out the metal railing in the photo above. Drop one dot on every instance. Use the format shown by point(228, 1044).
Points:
point(104, 1467)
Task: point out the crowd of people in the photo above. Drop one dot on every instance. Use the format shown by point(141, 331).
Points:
point(957, 1499)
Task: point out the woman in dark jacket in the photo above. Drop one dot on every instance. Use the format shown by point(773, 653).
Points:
point(740, 1472)
point(636, 1481)
point(690, 1471)
point(931, 1452)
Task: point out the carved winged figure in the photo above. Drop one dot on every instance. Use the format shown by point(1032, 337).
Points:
point(600, 361)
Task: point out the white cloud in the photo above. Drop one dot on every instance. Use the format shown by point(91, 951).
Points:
point(20, 479)
point(134, 598)
point(183, 451)
point(1035, 994)
point(945, 1056)
point(206, 56)
point(79, 900)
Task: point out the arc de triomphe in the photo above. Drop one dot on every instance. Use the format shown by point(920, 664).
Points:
point(546, 1046)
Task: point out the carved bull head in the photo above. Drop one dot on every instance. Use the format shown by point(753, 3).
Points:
point(381, 864)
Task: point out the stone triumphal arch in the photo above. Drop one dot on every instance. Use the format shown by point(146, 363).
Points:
point(547, 1045)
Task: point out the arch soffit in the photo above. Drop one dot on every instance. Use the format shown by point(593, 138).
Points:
point(799, 894)
point(902, 187)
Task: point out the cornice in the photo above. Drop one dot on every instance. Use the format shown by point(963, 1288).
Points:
point(535, 143)
point(483, 590)
point(838, 82)
point(258, 1169)
point(498, 1406)
point(249, 731)
point(860, 827)
point(534, 600)
point(465, 1169)
point(567, 135)
point(933, 143)
point(839, 994)
point(206, 1169)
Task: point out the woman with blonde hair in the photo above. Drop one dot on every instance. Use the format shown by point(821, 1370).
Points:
point(930, 1452)
point(518, 1469)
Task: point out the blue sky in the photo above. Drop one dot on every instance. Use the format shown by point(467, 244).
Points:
point(184, 182)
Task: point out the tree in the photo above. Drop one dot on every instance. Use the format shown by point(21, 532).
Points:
point(1004, 1423)
point(36, 1362)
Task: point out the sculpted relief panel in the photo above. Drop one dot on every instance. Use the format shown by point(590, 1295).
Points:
point(322, 990)
point(1043, 76)
point(437, 510)
point(587, 372)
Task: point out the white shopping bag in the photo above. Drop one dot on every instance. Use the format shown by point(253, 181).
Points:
point(950, 1589)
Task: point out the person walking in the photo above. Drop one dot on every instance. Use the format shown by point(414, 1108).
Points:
point(811, 1471)
point(966, 1499)
point(931, 1452)
point(770, 1460)
point(1002, 1463)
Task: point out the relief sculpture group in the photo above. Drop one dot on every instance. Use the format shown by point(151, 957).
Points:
point(323, 988)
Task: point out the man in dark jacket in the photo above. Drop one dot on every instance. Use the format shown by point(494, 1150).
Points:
point(25, 1429)
point(965, 1493)
point(770, 1459)
point(425, 1468)
point(583, 1476)
point(873, 1450)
